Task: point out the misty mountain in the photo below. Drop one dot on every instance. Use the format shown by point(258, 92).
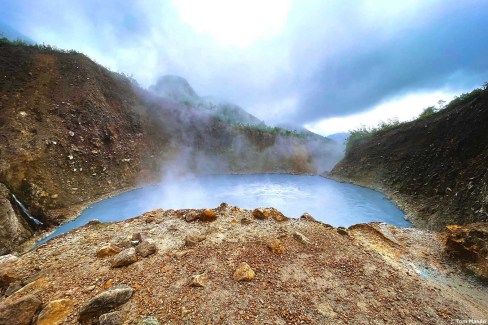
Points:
point(178, 90)
point(175, 88)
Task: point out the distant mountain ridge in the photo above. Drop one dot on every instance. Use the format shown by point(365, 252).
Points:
point(178, 89)
point(175, 88)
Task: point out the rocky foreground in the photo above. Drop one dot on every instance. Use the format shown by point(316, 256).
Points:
point(230, 265)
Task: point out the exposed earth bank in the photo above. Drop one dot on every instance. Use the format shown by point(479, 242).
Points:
point(229, 265)
point(435, 168)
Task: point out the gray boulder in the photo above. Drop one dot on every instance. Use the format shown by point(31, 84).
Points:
point(146, 248)
point(113, 318)
point(125, 257)
point(105, 302)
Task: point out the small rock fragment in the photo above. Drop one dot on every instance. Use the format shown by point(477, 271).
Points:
point(108, 284)
point(243, 272)
point(139, 236)
point(113, 318)
point(8, 259)
point(276, 246)
point(207, 215)
point(193, 240)
point(223, 206)
point(88, 289)
point(342, 231)
point(146, 248)
point(13, 287)
point(20, 311)
point(261, 214)
point(184, 311)
point(8, 274)
point(246, 221)
point(125, 257)
point(306, 216)
point(148, 320)
point(55, 312)
point(191, 217)
point(93, 222)
point(278, 216)
point(301, 238)
point(105, 302)
point(199, 280)
point(108, 250)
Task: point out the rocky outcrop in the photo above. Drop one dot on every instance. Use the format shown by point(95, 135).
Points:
point(469, 245)
point(21, 311)
point(435, 167)
point(265, 213)
point(108, 250)
point(8, 274)
point(146, 247)
point(243, 272)
point(113, 318)
point(13, 227)
point(55, 312)
point(125, 257)
point(105, 302)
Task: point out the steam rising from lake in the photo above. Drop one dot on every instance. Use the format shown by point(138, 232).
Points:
point(338, 204)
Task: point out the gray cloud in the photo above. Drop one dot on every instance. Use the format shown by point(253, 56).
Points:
point(333, 58)
point(448, 52)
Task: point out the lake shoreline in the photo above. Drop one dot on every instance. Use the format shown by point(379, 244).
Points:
point(248, 177)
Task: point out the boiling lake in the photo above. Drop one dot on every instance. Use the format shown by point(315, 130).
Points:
point(329, 201)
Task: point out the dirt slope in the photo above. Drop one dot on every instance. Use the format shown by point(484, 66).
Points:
point(434, 167)
point(304, 272)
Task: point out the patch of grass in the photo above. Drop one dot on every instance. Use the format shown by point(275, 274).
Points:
point(272, 130)
point(364, 131)
point(41, 47)
point(428, 112)
point(467, 97)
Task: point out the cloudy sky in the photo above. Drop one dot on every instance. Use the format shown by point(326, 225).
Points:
point(328, 65)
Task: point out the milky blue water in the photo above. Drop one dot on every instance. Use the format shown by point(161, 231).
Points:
point(335, 203)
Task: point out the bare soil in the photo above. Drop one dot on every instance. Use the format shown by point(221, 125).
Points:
point(371, 273)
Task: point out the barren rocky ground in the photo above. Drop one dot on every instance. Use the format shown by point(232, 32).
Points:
point(234, 266)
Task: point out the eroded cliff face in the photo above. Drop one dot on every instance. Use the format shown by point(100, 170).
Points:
point(435, 167)
point(71, 131)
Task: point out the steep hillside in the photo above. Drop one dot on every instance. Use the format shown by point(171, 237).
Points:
point(73, 132)
point(435, 167)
